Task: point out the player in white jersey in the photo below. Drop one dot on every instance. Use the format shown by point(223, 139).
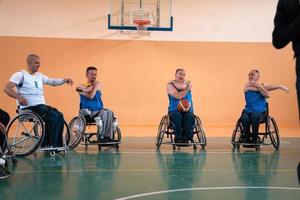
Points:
point(26, 87)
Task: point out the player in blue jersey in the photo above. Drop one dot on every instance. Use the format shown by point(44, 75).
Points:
point(256, 105)
point(91, 104)
point(183, 121)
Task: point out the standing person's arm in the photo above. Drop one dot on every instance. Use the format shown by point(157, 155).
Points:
point(171, 90)
point(284, 31)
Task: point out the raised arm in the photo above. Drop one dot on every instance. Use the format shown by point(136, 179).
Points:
point(171, 90)
point(284, 30)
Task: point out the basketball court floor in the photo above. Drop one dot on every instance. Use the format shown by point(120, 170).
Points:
point(137, 45)
point(139, 171)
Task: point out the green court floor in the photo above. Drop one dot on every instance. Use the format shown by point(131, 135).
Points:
point(139, 171)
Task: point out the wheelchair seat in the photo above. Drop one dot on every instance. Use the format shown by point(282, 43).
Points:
point(89, 120)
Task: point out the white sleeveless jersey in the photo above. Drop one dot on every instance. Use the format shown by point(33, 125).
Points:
point(30, 86)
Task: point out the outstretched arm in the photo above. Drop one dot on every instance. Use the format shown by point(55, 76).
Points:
point(56, 81)
point(257, 87)
point(276, 87)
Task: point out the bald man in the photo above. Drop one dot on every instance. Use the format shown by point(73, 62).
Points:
point(256, 105)
point(26, 86)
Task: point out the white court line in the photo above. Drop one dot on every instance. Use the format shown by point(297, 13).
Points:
point(204, 188)
point(141, 151)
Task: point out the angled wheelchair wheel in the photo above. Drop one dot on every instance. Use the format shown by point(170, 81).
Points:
point(77, 128)
point(117, 137)
point(162, 129)
point(117, 134)
point(273, 132)
point(27, 131)
point(3, 146)
point(200, 133)
point(236, 138)
point(66, 134)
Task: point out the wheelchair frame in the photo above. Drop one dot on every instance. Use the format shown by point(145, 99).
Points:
point(36, 137)
point(271, 130)
point(84, 137)
point(165, 128)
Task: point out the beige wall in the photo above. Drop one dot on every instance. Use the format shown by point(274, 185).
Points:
point(134, 75)
point(134, 69)
point(194, 20)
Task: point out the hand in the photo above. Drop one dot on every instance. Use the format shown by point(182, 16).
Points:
point(79, 89)
point(68, 81)
point(284, 88)
point(22, 101)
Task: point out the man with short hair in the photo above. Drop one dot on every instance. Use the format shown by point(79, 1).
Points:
point(256, 105)
point(91, 104)
point(177, 90)
point(26, 86)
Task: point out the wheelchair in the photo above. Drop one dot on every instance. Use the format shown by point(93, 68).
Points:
point(28, 131)
point(166, 128)
point(270, 135)
point(6, 153)
point(80, 135)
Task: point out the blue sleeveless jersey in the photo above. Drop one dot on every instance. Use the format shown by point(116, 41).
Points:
point(94, 104)
point(255, 102)
point(173, 102)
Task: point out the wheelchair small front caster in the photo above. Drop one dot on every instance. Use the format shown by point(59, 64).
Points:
point(52, 153)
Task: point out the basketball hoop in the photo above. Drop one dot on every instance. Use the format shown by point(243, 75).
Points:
point(142, 25)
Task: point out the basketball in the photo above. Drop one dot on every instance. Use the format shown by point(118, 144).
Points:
point(183, 105)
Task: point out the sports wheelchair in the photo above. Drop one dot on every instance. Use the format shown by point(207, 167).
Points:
point(166, 128)
point(270, 135)
point(79, 134)
point(28, 131)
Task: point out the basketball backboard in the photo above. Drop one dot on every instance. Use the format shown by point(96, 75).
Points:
point(123, 13)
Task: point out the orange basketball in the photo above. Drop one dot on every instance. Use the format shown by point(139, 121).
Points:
point(184, 105)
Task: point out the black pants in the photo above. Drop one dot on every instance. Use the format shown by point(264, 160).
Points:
point(248, 120)
point(54, 124)
point(4, 119)
point(183, 123)
point(298, 83)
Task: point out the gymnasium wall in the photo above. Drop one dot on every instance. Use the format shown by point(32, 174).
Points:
point(217, 54)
